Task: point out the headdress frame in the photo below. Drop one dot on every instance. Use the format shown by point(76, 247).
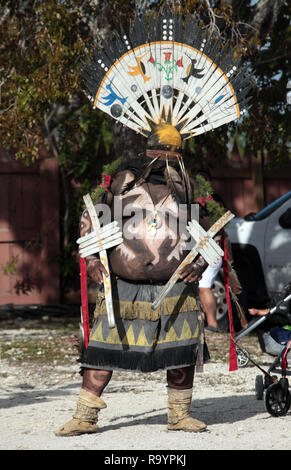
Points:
point(167, 70)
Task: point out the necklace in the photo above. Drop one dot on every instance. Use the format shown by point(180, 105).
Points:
point(153, 220)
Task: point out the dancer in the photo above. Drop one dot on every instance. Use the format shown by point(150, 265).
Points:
point(140, 81)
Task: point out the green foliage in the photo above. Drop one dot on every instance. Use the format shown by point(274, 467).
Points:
point(204, 188)
point(10, 267)
point(212, 208)
point(265, 48)
point(41, 46)
point(108, 169)
point(79, 139)
point(267, 126)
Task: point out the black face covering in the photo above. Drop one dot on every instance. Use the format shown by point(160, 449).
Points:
point(161, 171)
point(156, 176)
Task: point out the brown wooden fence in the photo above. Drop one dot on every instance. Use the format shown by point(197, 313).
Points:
point(246, 185)
point(29, 232)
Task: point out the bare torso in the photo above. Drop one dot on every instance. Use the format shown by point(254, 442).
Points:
point(152, 226)
point(152, 248)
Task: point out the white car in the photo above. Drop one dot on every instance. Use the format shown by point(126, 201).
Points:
point(261, 245)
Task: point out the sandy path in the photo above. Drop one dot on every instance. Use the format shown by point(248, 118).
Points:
point(34, 402)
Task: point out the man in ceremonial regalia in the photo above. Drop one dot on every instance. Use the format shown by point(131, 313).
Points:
point(145, 339)
point(139, 80)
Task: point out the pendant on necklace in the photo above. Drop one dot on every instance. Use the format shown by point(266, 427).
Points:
point(153, 223)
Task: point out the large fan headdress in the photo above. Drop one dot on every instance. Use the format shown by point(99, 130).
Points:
point(167, 69)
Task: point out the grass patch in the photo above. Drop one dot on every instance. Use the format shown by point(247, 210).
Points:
point(41, 350)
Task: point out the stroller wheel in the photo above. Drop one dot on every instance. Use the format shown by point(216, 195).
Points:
point(259, 385)
point(242, 357)
point(278, 398)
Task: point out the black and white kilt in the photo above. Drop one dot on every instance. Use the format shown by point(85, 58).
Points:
point(146, 340)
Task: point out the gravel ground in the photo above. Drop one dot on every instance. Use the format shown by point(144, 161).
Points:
point(38, 397)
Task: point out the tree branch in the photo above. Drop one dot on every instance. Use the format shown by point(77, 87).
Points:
point(266, 14)
point(213, 28)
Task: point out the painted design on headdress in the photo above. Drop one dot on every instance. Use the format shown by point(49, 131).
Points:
point(168, 69)
point(139, 69)
point(168, 66)
point(109, 99)
point(192, 71)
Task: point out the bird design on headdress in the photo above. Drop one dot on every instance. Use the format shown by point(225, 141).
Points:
point(192, 71)
point(112, 97)
point(168, 70)
point(139, 69)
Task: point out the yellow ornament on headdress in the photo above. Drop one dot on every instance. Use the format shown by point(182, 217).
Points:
point(165, 135)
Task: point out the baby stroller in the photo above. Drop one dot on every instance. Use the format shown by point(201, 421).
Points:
point(277, 396)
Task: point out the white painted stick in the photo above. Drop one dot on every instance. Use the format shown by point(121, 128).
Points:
point(104, 261)
point(214, 229)
point(203, 246)
point(102, 239)
point(207, 246)
point(94, 249)
point(102, 231)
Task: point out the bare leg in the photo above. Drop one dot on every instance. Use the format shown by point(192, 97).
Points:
point(180, 379)
point(209, 305)
point(95, 380)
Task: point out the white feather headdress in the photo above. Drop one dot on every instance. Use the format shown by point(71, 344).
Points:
point(167, 69)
